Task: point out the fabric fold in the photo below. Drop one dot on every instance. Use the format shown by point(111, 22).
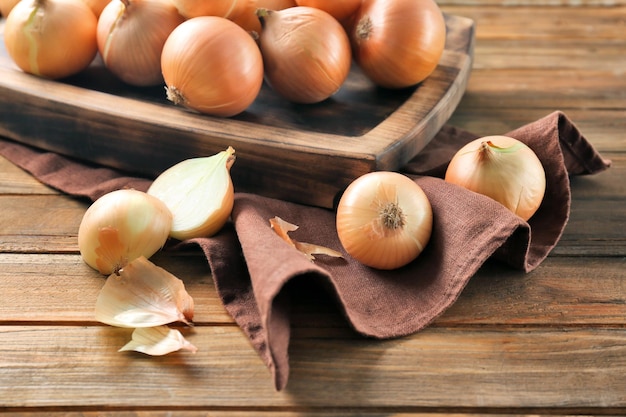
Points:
point(251, 266)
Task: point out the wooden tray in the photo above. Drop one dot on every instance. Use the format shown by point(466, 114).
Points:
point(301, 153)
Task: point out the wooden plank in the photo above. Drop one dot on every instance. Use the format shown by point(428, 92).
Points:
point(40, 223)
point(13, 180)
point(361, 129)
point(79, 366)
point(562, 291)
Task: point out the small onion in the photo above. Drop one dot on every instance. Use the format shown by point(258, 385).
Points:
point(339, 9)
point(384, 220)
point(131, 35)
point(199, 193)
point(122, 226)
point(51, 38)
point(212, 65)
point(306, 53)
point(502, 168)
point(398, 43)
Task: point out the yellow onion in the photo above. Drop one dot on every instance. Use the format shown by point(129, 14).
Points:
point(131, 35)
point(502, 168)
point(121, 226)
point(6, 6)
point(212, 65)
point(97, 5)
point(199, 193)
point(306, 53)
point(384, 220)
point(51, 38)
point(339, 9)
point(228, 9)
point(398, 43)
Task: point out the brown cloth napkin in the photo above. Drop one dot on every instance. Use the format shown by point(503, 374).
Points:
point(251, 265)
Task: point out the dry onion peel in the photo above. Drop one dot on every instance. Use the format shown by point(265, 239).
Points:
point(143, 295)
point(157, 341)
point(199, 193)
point(502, 168)
point(282, 229)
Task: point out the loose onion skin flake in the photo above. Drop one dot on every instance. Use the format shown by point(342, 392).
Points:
point(384, 220)
point(51, 38)
point(143, 295)
point(502, 168)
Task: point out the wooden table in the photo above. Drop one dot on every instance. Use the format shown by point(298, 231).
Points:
point(549, 342)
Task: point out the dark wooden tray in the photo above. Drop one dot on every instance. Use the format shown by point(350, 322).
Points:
point(301, 153)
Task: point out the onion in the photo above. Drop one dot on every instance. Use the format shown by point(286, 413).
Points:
point(398, 43)
point(222, 8)
point(131, 35)
point(384, 220)
point(6, 6)
point(120, 227)
point(51, 38)
point(339, 9)
point(306, 53)
point(199, 193)
point(97, 5)
point(502, 168)
point(212, 65)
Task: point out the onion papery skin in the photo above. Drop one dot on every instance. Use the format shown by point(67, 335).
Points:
point(213, 66)
point(306, 53)
point(339, 9)
point(363, 211)
point(398, 43)
point(51, 38)
point(122, 226)
point(131, 35)
point(228, 9)
point(502, 168)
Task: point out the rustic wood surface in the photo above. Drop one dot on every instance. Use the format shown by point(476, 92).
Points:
point(551, 342)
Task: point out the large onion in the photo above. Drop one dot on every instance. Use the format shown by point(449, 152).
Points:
point(212, 65)
point(51, 38)
point(131, 35)
point(398, 43)
point(306, 53)
point(384, 220)
point(502, 168)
